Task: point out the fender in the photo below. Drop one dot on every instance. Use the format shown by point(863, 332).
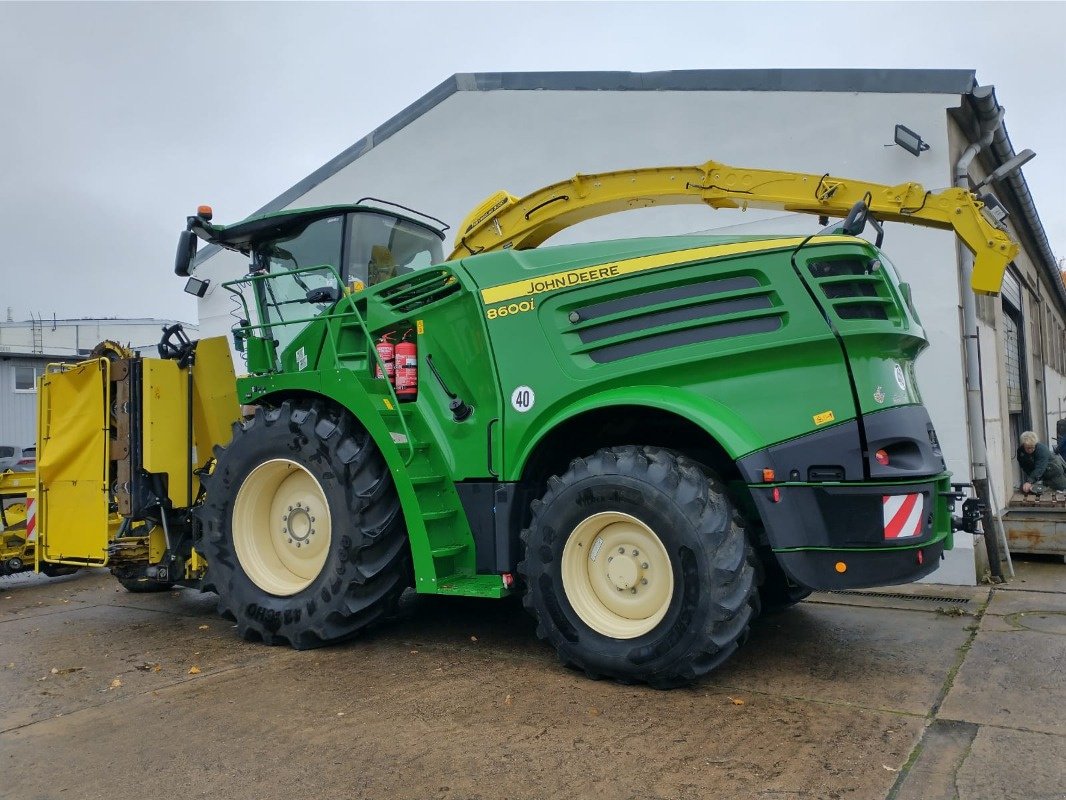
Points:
point(719, 421)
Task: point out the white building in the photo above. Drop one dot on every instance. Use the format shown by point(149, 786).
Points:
point(477, 133)
point(26, 348)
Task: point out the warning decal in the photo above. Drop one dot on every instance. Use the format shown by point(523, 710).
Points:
point(903, 515)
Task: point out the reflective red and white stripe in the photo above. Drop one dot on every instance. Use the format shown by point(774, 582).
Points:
point(903, 515)
point(31, 520)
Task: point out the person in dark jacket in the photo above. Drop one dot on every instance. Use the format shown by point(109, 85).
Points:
point(1039, 465)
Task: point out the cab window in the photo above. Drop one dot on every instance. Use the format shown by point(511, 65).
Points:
point(381, 247)
point(284, 297)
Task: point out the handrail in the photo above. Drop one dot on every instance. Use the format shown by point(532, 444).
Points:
point(332, 315)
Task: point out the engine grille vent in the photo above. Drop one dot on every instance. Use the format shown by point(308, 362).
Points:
point(853, 288)
point(422, 289)
point(661, 319)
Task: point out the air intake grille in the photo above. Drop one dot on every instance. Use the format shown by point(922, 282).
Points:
point(423, 288)
point(853, 289)
point(661, 319)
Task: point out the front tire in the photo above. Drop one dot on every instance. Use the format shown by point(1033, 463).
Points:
point(635, 568)
point(302, 528)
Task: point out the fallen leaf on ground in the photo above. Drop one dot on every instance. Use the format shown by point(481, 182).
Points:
point(146, 667)
point(508, 701)
point(737, 701)
point(66, 670)
point(889, 768)
point(115, 684)
point(194, 670)
point(594, 712)
point(473, 638)
point(203, 627)
point(340, 713)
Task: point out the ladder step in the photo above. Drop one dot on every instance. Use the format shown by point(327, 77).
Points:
point(430, 516)
point(422, 480)
point(450, 550)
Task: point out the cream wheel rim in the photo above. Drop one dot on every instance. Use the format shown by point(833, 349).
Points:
point(281, 527)
point(617, 575)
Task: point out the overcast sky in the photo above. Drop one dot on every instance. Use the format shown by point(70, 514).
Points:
point(117, 120)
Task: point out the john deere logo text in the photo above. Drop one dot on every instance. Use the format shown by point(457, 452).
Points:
point(563, 279)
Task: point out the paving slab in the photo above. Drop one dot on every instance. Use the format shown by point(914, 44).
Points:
point(1041, 574)
point(1013, 765)
point(945, 746)
point(1011, 678)
point(1011, 603)
point(871, 657)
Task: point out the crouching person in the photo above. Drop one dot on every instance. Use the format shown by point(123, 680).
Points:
point(1040, 467)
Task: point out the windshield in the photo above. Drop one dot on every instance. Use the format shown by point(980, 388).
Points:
point(381, 246)
point(284, 298)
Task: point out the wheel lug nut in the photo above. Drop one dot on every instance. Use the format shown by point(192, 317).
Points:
point(610, 559)
point(290, 541)
point(633, 590)
point(290, 508)
point(644, 565)
point(635, 552)
point(643, 581)
point(312, 519)
point(622, 550)
point(297, 544)
point(619, 588)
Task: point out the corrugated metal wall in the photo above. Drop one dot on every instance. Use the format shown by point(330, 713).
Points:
point(18, 410)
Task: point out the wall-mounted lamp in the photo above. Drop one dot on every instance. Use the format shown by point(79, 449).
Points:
point(196, 287)
point(910, 141)
point(1009, 168)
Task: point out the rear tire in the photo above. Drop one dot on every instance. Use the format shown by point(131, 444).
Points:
point(678, 601)
point(302, 528)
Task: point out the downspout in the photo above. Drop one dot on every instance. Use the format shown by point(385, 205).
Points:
point(974, 408)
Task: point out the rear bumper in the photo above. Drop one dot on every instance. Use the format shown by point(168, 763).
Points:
point(818, 569)
point(836, 536)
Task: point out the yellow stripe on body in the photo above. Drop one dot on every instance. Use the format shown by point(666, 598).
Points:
point(560, 280)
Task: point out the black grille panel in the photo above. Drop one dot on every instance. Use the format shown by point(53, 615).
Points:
point(854, 289)
point(661, 318)
point(673, 316)
point(423, 288)
point(665, 341)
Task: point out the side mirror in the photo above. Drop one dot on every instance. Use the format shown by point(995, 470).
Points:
point(323, 294)
point(186, 251)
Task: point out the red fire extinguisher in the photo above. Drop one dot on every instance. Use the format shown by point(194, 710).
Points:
point(406, 368)
point(387, 352)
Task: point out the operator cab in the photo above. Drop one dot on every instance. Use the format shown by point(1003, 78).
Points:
point(362, 244)
point(303, 260)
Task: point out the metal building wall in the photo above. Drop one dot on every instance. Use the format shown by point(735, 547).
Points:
point(18, 410)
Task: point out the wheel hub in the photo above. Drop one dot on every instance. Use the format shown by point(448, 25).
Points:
point(281, 527)
point(617, 575)
point(624, 572)
point(299, 524)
